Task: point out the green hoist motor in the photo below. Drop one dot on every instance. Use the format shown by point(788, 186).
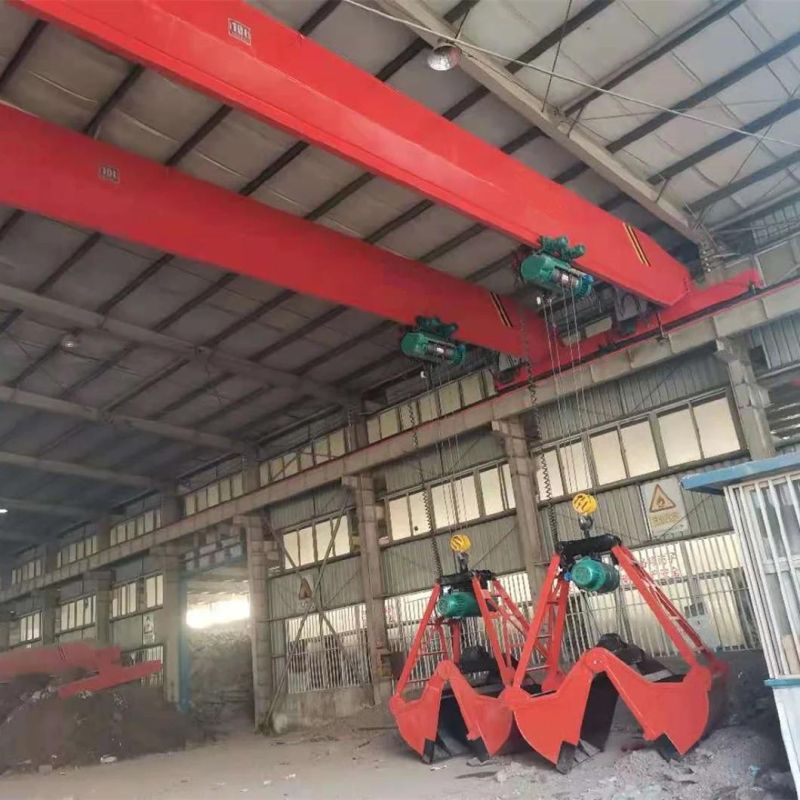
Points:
point(551, 268)
point(432, 340)
point(594, 576)
point(457, 605)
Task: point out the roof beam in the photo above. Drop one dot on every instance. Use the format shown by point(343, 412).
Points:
point(125, 331)
point(78, 471)
point(492, 74)
point(50, 509)
point(165, 430)
point(298, 85)
point(104, 188)
point(19, 536)
point(744, 315)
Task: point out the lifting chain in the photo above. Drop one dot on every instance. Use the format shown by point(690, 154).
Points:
point(535, 420)
point(426, 499)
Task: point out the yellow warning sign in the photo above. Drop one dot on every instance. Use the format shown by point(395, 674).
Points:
point(663, 507)
point(660, 501)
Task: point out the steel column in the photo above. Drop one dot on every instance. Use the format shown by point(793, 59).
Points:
point(239, 55)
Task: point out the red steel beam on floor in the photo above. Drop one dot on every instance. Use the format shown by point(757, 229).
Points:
point(61, 174)
point(242, 57)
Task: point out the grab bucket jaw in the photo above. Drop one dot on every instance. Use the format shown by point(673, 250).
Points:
point(452, 716)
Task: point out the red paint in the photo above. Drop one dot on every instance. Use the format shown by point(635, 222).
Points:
point(104, 664)
point(57, 173)
point(681, 710)
point(239, 55)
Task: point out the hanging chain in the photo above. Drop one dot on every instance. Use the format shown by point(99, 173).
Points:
point(426, 500)
point(535, 419)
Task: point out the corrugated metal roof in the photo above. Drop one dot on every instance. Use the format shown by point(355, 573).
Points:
point(738, 58)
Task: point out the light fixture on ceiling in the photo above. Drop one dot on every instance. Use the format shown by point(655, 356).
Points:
point(444, 56)
point(447, 54)
point(3, 511)
point(70, 342)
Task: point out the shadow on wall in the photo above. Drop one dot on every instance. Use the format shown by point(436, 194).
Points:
point(221, 674)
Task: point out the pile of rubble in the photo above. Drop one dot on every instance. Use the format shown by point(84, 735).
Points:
point(40, 731)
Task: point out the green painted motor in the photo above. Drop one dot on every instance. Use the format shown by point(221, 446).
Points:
point(431, 340)
point(594, 576)
point(457, 605)
point(551, 267)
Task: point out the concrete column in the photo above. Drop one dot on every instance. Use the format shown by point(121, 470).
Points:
point(5, 629)
point(750, 398)
point(100, 583)
point(369, 514)
point(357, 430)
point(170, 506)
point(534, 548)
point(103, 532)
point(261, 555)
point(49, 605)
point(251, 476)
point(172, 622)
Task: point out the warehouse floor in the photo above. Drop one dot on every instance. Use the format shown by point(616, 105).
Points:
point(362, 759)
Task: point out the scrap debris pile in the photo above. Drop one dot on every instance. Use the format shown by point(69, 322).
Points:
point(41, 731)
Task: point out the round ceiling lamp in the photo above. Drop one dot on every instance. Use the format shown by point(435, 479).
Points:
point(445, 56)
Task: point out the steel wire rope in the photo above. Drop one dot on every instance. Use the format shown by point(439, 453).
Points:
point(465, 45)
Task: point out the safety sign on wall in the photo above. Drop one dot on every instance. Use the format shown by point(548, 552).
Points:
point(664, 508)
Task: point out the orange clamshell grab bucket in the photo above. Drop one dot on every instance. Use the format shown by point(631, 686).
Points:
point(451, 714)
point(556, 712)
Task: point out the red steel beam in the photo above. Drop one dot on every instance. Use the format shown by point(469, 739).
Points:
point(61, 174)
point(239, 55)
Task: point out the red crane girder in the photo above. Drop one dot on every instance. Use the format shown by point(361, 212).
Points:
point(236, 53)
point(64, 175)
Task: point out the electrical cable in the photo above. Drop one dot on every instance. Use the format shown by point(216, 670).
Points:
point(464, 45)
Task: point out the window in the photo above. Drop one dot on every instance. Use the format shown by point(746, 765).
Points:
point(27, 571)
point(30, 627)
point(702, 430)
point(491, 491)
point(472, 389)
point(309, 544)
point(452, 503)
point(449, 398)
point(455, 502)
point(77, 614)
point(305, 539)
point(640, 449)
point(389, 423)
point(679, 437)
point(123, 600)
point(624, 452)
point(549, 485)
point(715, 426)
point(575, 466)
point(154, 591)
point(607, 454)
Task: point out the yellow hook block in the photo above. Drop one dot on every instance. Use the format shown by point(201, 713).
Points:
point(460, 543)
point(584, 503)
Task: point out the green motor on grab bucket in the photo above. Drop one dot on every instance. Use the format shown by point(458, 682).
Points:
point(594, 576)
point(458, 605)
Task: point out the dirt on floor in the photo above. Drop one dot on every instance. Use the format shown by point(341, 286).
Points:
point(363, 758)
point(40, 732)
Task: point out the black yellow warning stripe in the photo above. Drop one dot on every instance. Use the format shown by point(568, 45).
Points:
point(636, 244)
point(501, 310)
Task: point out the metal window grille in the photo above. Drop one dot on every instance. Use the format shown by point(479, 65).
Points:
point(328, 659)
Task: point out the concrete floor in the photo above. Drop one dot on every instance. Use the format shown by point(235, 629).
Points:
point(367, 761)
